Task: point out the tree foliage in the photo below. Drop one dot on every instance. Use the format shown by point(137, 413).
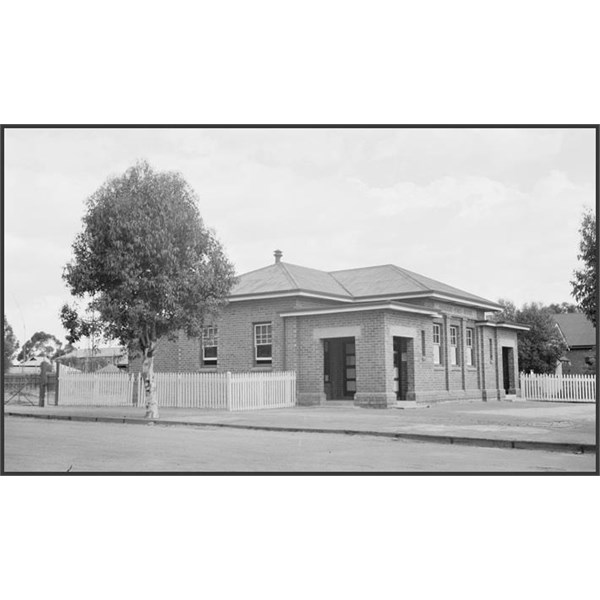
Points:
point(41, 344)
point(145, 261)
point(9, 347)
point(585, 282)
point(562, 308)
point(509, 311)
point(541, 347)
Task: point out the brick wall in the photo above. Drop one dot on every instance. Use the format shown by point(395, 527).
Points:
point(236, 339)
point(370, 353)
point(579, 366)
point(296, 347)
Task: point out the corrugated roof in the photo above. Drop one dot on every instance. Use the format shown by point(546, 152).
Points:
point(285, 277)
point(577, 329)
point(353, 284)
point(390, 280)
point(97, 353)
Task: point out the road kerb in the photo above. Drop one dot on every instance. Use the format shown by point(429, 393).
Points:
point(581, 448)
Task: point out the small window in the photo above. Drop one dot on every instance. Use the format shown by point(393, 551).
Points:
point(437, 344)
point(469, 348)
point(491, 350)
point(423, 348)
point(263, 340)
point(453, 345)
point(210, 342)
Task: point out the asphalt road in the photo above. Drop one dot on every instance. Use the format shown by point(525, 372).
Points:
point(46, 445)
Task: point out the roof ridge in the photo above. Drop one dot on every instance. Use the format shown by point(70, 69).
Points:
point(287, 273)
point(331, 274)
point(360, 268)
point(409, 276)
point(287, 264)
point(256, 270)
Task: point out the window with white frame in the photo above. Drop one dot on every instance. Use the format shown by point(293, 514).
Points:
point(263, 340)
point(437, 344)
point(453, 345)
point(469, 347)
point(210, 341)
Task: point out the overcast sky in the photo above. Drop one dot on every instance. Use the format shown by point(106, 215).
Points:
point(494, 212)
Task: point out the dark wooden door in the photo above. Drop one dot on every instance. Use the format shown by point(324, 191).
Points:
point(349, 369)
point(400, 367)
point(506, 369)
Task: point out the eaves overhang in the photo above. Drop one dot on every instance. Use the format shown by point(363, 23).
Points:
point(515, 326)
point(289, 294)
point(489, 306)
point(363, 299)
point(362, 307)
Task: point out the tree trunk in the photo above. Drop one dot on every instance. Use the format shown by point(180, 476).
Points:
point(149, 384)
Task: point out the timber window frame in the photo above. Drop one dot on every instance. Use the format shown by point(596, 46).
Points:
point(454, 337)
point(469, 337)
point(437, 344)
point(263, 343)
point(210, 345)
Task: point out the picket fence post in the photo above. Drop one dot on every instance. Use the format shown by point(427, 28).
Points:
point(57, 383)
point(228, 390)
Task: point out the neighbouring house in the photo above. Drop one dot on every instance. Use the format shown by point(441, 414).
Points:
point(29, 367)
point(92, 360)
point(579, 334)
point(373, 336)
point(109, 369)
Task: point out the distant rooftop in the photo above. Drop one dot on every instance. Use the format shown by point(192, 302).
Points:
point(109, 352)
point(577, 329)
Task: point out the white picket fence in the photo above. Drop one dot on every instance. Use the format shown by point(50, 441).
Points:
point(95, 389)
point(189, 390)
point(251, 391)
point(558, 388)
point(219, 391)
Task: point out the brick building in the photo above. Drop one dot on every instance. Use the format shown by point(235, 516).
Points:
point(372, 336)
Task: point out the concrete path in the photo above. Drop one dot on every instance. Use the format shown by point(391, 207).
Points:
point(518, 425)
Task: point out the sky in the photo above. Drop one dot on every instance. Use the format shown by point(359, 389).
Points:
point(495, 212)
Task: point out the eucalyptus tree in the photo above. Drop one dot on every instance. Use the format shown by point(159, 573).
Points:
point(585, 280)
point(9, 347)
point(145, 265)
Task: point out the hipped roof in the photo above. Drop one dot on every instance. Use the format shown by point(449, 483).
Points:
point(350, 284)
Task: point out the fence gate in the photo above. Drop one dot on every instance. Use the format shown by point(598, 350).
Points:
point(22, 389)
point(33, 389)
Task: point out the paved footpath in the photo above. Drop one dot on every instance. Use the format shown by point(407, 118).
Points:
point(535, 425)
